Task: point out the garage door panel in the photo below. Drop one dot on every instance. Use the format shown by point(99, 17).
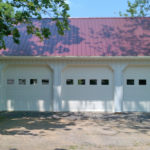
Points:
point(31, 97)
point(87, 105)
point(137, 94)
point(87, 97)
point(30, 102)
point(88, 93)
point(137, 97)
point(134, 105)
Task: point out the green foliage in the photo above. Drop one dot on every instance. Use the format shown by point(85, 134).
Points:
point(137, 8)
point(13, 12)
point(16, 35)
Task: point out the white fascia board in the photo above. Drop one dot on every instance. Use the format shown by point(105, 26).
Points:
point(75, 57)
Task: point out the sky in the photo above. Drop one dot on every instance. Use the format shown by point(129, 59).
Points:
point(96, 8)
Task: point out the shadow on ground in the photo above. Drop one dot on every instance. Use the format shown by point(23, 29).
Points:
point(10, 122)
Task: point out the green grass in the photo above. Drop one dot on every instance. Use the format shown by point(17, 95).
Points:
point(73, 147)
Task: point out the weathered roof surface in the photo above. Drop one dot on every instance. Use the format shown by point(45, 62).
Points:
point(87, 37)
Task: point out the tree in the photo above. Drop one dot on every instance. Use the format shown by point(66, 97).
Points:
point(14, 12)
point(137, 8)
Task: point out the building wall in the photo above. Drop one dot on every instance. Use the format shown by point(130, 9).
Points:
point(121, 69)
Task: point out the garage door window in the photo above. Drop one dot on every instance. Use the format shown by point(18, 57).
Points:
point(69, 81)
point(22, 81)
point(93, 82)
point(105, 82)
point(33, 81)
point(45, 81)
point(81, 82)
point(130, 81)
point(10, 81)
point(142, 82)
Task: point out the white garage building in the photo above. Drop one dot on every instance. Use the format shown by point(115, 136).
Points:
point(101, 64)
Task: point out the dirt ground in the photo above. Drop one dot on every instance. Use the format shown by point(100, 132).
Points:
point(74, 131)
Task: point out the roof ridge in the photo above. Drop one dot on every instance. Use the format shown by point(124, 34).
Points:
point(102, 18)
point(106, 17)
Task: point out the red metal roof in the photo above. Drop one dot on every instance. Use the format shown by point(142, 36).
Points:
point(87, 37)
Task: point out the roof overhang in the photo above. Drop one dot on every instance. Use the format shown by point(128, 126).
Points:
point(75, 57)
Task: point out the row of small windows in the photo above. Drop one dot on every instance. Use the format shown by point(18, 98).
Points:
point(104, 82)
point(91, 82)
point(24, 81)
point(140, 82)
point(71, 81)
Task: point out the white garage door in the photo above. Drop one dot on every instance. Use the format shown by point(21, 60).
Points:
point(87, 88)
point(136, 89)
point(28, 88)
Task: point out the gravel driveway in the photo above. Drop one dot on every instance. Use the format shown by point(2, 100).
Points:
point(74, 131)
